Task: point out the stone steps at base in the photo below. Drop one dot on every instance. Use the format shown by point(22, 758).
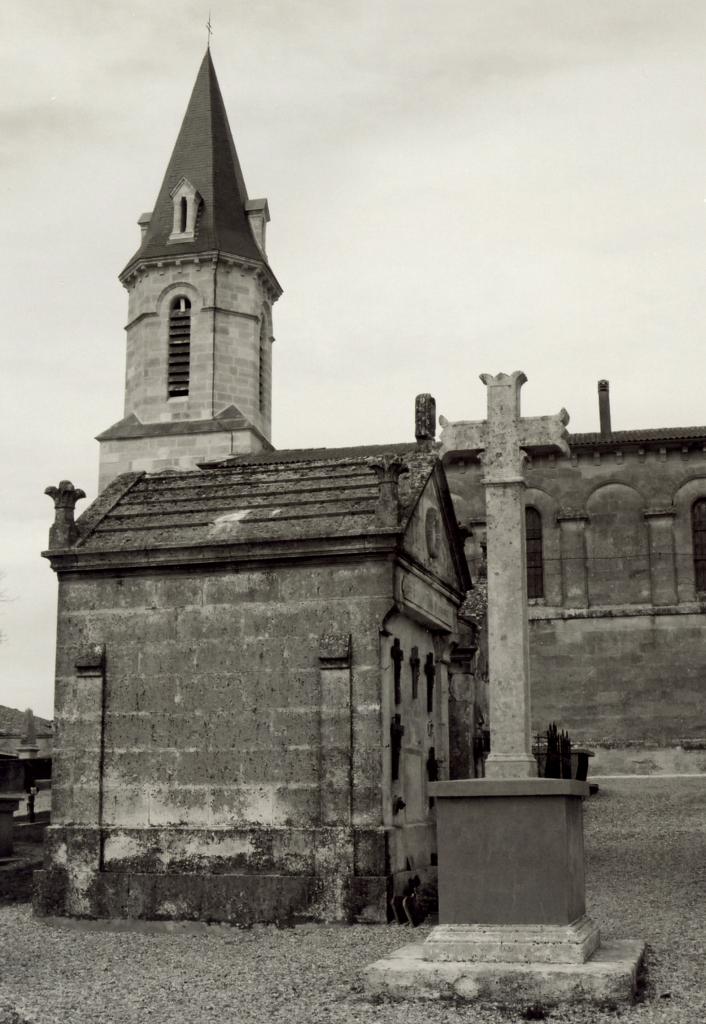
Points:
point(609, 978)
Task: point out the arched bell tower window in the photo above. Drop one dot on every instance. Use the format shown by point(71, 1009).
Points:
point(535, 558)
point(698, 533)
point(179, 347)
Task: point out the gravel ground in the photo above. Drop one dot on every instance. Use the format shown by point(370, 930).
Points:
point(646, 864)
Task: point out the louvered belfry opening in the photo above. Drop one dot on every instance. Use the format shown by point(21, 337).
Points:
point(179, 347)
point(261, 375)
point(535, 558)
point(698, 529)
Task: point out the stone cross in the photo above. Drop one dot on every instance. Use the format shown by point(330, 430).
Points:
point(397, 655)
point(503, 440)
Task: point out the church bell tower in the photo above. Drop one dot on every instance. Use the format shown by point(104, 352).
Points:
point(198, 378)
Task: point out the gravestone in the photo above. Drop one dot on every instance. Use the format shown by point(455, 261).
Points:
point(512, 919)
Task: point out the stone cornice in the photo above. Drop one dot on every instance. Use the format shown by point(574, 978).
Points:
point(246, 553)
point(617, 611)
point(261, 270)
point(668, 511)
point(569, 515)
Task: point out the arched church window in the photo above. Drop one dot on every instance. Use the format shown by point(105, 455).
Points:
point(179, 347)
point(535, 558)
point(698, 532)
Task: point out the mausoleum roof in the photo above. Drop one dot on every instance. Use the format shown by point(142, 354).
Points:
point(273, 496)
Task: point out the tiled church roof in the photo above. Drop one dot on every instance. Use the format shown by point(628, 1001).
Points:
point(648, 436)
point(205, 154)
point(269, 496)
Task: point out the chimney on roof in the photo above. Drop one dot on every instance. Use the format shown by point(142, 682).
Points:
point(604, 407)
point(425, 420)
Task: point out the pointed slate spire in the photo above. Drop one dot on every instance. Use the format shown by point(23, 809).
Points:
point(204, 154)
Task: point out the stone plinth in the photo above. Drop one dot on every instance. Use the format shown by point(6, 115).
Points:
point(510, 851)
point(513, 926)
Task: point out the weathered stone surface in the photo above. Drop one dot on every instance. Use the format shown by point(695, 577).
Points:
point(572, 944)
point(609, 977)
point(510, 851)
point(504, 439)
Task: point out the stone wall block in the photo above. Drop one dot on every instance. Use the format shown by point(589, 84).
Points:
point(61, 799)
point(211, 620)
point(164, 658)
point(368, 900)
point(298, 805)
point(371, 854)
point(241, 587)
point(125, 805)
point(293, 850)
point(128, 730)
point(334, 868)
point(174, 805)
point(297, 726)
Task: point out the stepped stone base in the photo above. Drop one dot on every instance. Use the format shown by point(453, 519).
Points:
point(608, 977)
point(573, 943)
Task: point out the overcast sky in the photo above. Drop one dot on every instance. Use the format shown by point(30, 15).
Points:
point(456, 187)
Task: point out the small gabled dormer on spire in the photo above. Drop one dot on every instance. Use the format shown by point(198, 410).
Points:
point(186, 201)
point(198, 380)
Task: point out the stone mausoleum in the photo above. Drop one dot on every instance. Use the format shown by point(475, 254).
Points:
point(252, 687)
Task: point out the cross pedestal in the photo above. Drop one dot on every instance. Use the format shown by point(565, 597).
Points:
point(512, 916)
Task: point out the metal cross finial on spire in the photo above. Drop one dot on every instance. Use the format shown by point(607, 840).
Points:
point(209, 30)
